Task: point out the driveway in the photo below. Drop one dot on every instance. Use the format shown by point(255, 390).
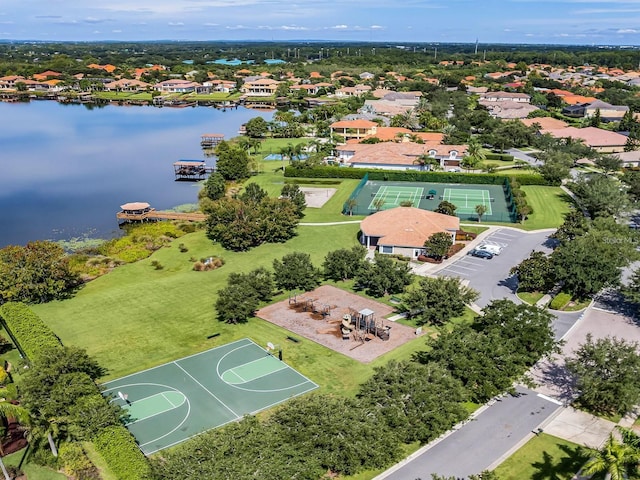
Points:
point(491, 277)
point(482, 442)
point(520, 155)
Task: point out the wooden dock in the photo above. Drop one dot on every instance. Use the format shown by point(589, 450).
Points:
point(191, 170)
point(211, 140)
point(142, 212)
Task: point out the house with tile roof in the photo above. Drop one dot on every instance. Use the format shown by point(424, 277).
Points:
point(45, 75)
point(608, 112)
point(545, 123)
point(176, 85)
point(399, 155)
point(600, 140)
point(350, 129)
point(8, 82)
point(355, 91)
point(490, 97)
point(127, 85)
point(263, 87)
point(404, 230)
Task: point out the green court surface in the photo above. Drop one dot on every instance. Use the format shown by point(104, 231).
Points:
point(393, 196)
point(467, 199)
point(173, 402)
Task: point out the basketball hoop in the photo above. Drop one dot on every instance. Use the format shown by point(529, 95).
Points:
point(270, 346)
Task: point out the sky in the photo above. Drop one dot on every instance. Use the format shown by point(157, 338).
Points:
point(602, 22)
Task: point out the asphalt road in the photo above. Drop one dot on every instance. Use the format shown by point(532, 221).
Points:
point(480, 442)
point(520, 155)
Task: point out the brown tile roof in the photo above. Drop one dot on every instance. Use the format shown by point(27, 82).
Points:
point(407, 226)
point(577, 99)
point(392, 153)
point(546, 123)
point(592, 136)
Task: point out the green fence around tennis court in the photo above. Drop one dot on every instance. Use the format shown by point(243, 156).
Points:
point(502, 205)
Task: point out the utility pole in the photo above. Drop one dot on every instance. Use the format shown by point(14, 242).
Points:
point(476, 52)
point(435, 54)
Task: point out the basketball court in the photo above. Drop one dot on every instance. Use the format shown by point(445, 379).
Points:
point(173, 402)
point(466, 199)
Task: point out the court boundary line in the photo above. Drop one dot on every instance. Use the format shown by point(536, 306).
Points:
point(208, 391)
point(176, 360)
point(286, 366)
point(170, 402)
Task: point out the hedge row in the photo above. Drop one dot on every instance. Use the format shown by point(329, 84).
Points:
point(409, 175)
point(118, 448)
point(504, 157)
point(29, 333)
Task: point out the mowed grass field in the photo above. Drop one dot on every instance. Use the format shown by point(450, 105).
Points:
point(543, 457)
point(549, 204)
point(137, 317)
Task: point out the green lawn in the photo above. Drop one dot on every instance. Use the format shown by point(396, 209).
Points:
point(530, 297)
point(33, 471)
point(541, 458)
point(549, 204)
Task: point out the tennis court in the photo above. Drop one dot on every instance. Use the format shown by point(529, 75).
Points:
point(467, 199)
point(392, 196)
point(374, 195)
point(173, 402)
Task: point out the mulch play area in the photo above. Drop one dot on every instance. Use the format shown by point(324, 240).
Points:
point(349, 324)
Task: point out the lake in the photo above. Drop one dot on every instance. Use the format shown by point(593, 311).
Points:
point(66, 169)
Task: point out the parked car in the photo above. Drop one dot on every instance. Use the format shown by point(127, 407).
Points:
point(492, 249)
point(481, 254)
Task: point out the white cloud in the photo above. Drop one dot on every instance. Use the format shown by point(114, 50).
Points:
point(627, 30)
point(175, 24)
point(339, 27)
point(116, 31)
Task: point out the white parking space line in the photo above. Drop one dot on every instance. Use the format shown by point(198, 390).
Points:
point(456, 265)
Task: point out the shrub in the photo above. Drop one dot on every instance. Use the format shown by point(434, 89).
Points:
point(74, 462)
point(27, 330)
point(183, 248)
point(560, 301)
point(157, 265)
point(505, 157)
point(4, 376)
point(208, 263)
point(122, 455)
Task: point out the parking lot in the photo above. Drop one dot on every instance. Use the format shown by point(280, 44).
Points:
point(491, 277)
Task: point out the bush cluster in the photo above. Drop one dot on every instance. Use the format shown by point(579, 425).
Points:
point(119, 449)
point(28, 332)
point(410, 176)
point(504, 157)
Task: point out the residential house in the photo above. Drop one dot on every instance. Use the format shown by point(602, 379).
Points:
point(509, 110)
point(366, 76)
point(491, 97)
point(600, 140)
point(127, 85)
point(222, 86)
point(400, 156)
point(404, 230)
point(608, 112)
point(629, 159)
point(356, 91)
point(350, 129)
point(107, 68)
point(545, 123)
point(46, 75)
point(263, 87)
point(9, 82)
point(176, 85)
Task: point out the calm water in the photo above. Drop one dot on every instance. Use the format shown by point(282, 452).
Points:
point(65, 169)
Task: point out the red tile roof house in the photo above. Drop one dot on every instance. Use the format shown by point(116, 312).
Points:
point(350, 129)
point(352, 91)
point(403, 230)
point(399, 156)
point(9, 82)
point(127, 85)
point(265, 87)
point(600, 140)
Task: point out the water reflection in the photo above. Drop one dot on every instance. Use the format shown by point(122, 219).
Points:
point(66, 169)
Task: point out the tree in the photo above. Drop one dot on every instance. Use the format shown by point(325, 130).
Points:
point(292, 192)
point(36, 273)
point(607, 374)
point(215, 187)
point(575, 224)
point(256, 127)
point(591, 262)
point(344, 264)
point(600, 195)
point(259, 280)
point(632, 180)
point(438, 245)
point(596, 119)
point(632, 290)
point(535, 274)
point(616, 460)
point(556, 166)
point(425, 160)
point(417, 402)
point(253, 194)
point(435, 301)
point(384, 276)
point(233, 161)
point(236, 303)
point(446, 208)
point(480, 211)
point(378, 204)
point(296, 271)
point(608, 163)
point(475, 154)
point(351, 204)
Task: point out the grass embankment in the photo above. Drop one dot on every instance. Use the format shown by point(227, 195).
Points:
point(544, 456)
point(31, 470)
point(530, 297)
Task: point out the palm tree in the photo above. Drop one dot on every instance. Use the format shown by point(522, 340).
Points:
point(427, 160)
point(351, 203)
point(378, 203)
point(614, 459)
point(480, 211)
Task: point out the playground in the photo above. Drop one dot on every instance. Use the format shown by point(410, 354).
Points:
point(375, 195)
point(173, 402)
point(344, 322)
